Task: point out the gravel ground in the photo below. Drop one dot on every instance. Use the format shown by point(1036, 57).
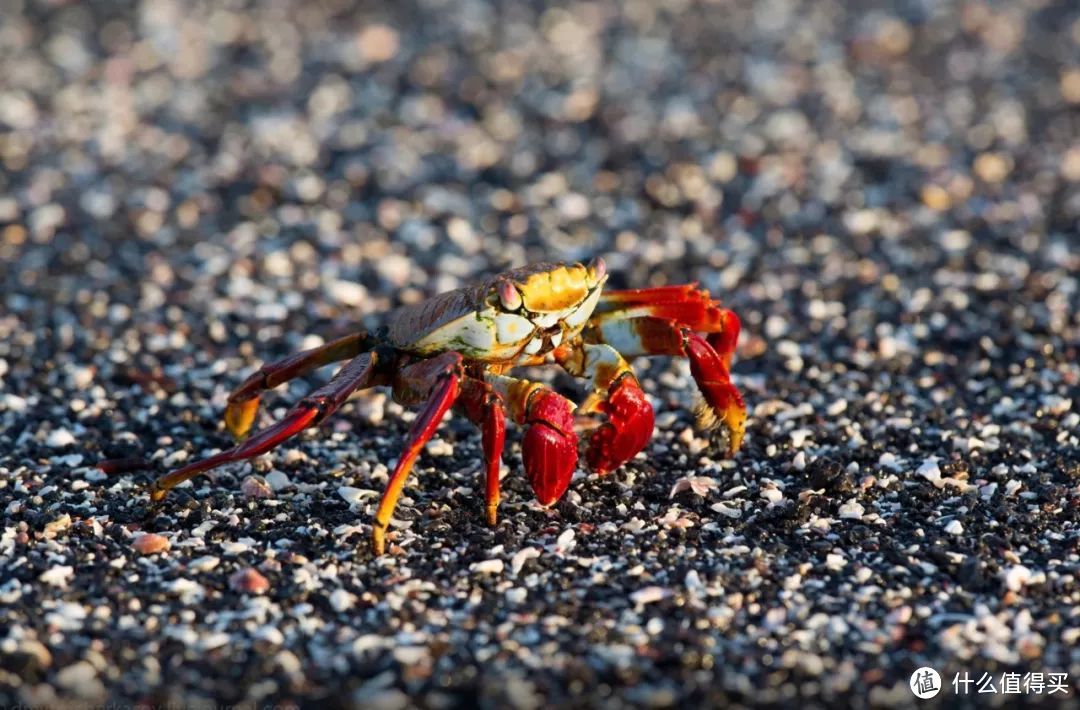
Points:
point(888, 196)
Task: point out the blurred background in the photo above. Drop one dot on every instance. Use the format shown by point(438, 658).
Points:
point(888, 194)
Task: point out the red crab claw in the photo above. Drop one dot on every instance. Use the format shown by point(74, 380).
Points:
point(722, 413)
point(549, 448)
point(627, 429)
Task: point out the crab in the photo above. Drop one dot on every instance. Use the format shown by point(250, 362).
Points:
point(456, 350)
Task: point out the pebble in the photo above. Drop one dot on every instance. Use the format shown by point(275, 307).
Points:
point(57, 576)
point(494, 566)
point(649, 595)
point(150, 543)
point(342, 600)
point(1016, 576)
point(851, 510)
point(255, 487)
point(278, 481)
point(204, 564)
point(249, 581)
point(59, 438)
point(521, 557)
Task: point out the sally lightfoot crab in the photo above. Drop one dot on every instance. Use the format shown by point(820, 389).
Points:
point(454, 351)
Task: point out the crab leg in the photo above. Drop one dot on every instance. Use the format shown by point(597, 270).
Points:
point(484, 407)
point(361, 371)
point(723, 409)
point(616, 394)
point(441, 377)
point(549, 448)
point(244, 400)
point(691, 306)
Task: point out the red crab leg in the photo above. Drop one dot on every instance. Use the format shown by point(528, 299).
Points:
point(549, 448)
point(616, 394)
point(646, 335)
point(691, 306)
point(244, 400)
point(359, 372)
point(484, 407)
point(442, 376)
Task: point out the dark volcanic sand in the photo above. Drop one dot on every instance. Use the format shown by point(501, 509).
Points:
point(888, 197)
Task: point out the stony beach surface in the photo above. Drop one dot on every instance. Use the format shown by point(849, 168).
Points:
point(887, 194)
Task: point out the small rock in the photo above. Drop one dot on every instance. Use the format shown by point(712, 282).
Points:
point(648, 595)
point(255, 487)
point(203, 564)
point(278, 481)
point(851, 510)
point(57, 576)
point(249, 581)
point(150, 543)
point(487, 567)
point(59, 438)
point(342, 600)
point(521, 557)
point(1016, 576)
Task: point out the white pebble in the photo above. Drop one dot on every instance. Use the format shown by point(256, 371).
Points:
point(57, 576)
point(648, 595)
point(930, 471)
point(14, 403)
point(294, 456)
point(203, 564)
point(1016, 577)
point(888, 460)
point(351, 495)
point(954, 528)
point(852, 510)
point(342, 600)
point(521, 557)
point(726, 511)
point(270, 634)
point(59, 438)
point(487, 567)
point(565, 542)
point(799, 437)
point(837, 408)
point(175, 458)
point(440, 447)
point(277, 480)
point(213, 640)
point(410, 655)
point(772, 494)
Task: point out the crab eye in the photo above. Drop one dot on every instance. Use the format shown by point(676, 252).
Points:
point(597, 270)
point(508, 296)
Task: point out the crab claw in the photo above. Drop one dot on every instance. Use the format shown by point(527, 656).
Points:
point(722, 412)
point(239, 416)
point(549, 448)
point(627, 429)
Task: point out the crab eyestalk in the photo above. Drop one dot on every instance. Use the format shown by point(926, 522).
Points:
point(509, 297)
point(597, 270)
